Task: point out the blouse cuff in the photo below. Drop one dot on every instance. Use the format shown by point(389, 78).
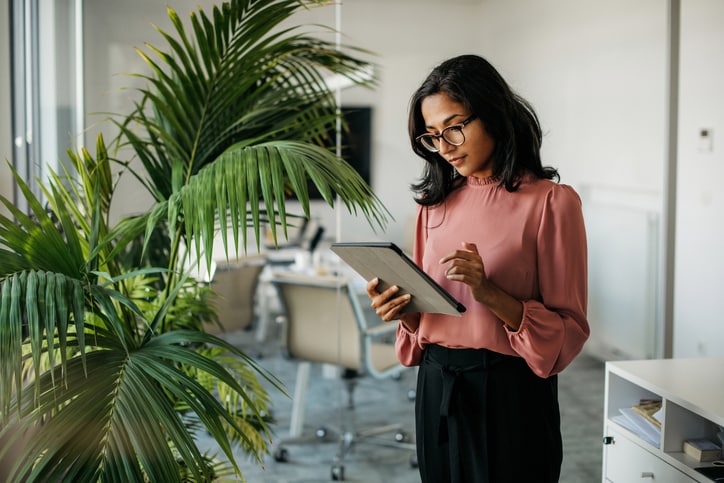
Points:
point(524, 321)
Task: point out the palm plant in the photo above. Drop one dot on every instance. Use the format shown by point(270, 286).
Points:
point(106, 361)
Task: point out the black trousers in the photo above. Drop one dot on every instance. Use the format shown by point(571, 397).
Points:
point(484, 417)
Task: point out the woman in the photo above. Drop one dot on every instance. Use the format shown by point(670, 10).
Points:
point(497, 231)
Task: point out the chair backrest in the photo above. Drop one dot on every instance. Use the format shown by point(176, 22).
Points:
point(321, 323)
point(325, 322)
point(235, 285)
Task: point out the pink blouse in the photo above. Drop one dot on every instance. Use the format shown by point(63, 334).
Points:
point(533, 245)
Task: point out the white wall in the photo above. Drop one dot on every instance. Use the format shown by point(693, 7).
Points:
point(699, 322)
point(595, 73)
point(6, 152)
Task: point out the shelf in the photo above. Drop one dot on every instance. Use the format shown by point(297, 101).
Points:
point(692, 395)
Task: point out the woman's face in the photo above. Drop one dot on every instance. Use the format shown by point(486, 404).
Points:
point(474, 156)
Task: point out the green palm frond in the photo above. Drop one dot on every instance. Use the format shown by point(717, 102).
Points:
point(255, 437)
point(42, 287)
point(234, 82)
point(245, 175)
point(239, 79)
point(118, 418)
point(39, 241)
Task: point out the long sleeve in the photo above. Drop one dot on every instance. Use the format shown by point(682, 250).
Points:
point(555, 328)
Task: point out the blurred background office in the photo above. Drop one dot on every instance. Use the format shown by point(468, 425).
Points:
point(632, 110)
point(629, 95)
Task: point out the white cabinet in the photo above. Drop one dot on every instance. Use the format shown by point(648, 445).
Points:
point(692, 396)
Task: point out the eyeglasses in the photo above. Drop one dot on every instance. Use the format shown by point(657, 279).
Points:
point(452, 135)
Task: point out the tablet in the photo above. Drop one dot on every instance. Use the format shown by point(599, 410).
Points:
point(392, 266)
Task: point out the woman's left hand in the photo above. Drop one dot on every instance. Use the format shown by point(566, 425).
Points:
point(467, 266)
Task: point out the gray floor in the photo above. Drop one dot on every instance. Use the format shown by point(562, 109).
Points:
point(386, 401)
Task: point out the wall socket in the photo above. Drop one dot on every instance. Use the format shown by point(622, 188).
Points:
point(706, 140)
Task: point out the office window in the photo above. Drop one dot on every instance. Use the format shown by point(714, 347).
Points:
point(47, 100)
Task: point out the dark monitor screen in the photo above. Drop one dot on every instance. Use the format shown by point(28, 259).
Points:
point(355, 142)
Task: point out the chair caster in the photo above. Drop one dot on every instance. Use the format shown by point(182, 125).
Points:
point(321, 432)
point(411, 394)
point(338, 472)
point(281, 455)
point(413, 460)
point(401, 437)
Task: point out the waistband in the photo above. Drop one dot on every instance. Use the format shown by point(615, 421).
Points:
point(464, 359)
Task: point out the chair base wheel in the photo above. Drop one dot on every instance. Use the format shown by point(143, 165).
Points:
point(281, 455)
point(338, 472)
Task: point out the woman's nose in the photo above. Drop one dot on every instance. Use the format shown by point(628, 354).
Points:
point(445, 146)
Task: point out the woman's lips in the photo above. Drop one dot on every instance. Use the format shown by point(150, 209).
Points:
point(456, 160)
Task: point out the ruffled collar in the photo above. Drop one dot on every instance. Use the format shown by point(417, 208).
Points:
point(473, 181)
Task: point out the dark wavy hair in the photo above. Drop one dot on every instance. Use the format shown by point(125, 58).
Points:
point(508, 118)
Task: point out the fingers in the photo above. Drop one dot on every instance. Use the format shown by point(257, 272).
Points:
point(465, 265)
point(371, 287)
point(468, 252)
point(387, 306)
point(373, 294)
point(458, 271)
point(472, 247)
point(458, 254)
point(391, 310)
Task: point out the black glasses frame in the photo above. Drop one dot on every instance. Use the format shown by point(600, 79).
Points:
point(430, 146)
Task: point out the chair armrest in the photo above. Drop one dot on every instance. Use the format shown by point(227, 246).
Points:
point(381, 330)
point(307, 279)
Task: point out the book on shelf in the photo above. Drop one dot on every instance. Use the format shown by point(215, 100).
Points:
point(650, 410)
point(642, 426)
point(702, 449)
point(642, 420)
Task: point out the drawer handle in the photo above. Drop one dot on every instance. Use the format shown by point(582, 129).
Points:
point(609, 440)
point(647, 474)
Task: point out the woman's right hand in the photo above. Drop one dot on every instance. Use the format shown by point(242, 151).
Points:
point(386, 304)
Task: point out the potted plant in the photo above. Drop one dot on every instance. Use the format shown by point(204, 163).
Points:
point(104, 365)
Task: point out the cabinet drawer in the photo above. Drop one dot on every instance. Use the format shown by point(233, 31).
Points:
point(627, 462)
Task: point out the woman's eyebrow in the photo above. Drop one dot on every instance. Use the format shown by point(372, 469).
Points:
point(446, 120)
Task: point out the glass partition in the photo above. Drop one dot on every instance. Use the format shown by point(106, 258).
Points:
point(47, 87)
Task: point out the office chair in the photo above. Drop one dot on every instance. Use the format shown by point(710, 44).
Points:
point(235, 284)
point(325, 323)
